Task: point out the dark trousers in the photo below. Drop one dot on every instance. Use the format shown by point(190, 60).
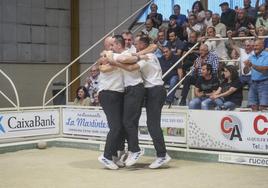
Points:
point(133, 100)
point(188, 81)
point(112, 104)
point(154, 101)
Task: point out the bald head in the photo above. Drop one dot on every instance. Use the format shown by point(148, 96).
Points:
point(258, 46)
point(203, 50)
point(108, 43)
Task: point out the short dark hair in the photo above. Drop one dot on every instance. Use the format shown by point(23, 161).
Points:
point(208, 67)
point(145, 39)
point(119, 39)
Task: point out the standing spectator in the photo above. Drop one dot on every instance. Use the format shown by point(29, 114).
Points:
point(150, 30)
point(242, 20)
point(167, 61)
point(82, 98)
point(227, 16)
point(205, 57)
point(205, 86)
point(156, 18)
point(258, 63)
point(251, 12)
point(174, 27)
point(193, 26)
point(175, 44)
point(181, 18)
point(229, 94)
point(161, 42)
point(262, 18)
point(198, 10)
point(219, 27)
point(208, 20)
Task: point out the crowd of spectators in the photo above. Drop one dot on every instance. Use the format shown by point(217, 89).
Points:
point(226, 60)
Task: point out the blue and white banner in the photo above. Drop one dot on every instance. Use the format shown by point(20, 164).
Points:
point(23, 124)
point(227, 130)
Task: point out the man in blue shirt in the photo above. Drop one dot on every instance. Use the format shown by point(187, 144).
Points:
point(258, 64)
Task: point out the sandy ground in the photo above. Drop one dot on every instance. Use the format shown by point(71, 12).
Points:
point(76, 168)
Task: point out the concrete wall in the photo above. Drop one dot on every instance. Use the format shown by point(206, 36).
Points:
point(38, 32)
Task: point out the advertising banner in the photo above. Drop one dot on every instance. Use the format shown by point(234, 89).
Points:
point(237, 131)
point(22, 124)
point(93, 123)
point(173, 125)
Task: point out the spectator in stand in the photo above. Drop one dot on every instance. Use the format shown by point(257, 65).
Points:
point(205, 86)
point(92, 85)
point(172, 78)
point(229, 95)
point(208, 20)
point(227, 16)
point(150, 30)
point(192, 26)
point(258, 64)
point(161, 42)
point(198, 10)
point(82, 98)
point(251, 12)
point(181, 18)
point(175, 44)
point(262, 18)
point(215, 45)
point(128, 37)
point(156, 18)
point(242, 20)
point(174, 27)
point(191, 57)
point(206, 57)
point(219, 27)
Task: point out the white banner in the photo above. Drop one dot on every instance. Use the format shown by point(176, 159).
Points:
point(93, 123)
point(84, 122)
point(173, 125)
point(22, 124)
point(226, 130)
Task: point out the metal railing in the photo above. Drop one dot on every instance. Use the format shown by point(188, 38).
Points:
point(76, 59)
point(15, 90)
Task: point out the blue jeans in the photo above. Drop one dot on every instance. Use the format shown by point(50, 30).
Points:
point(258, 93)
point(245, 80)
point(201, 103)
point(172, 82)
point(224, 105)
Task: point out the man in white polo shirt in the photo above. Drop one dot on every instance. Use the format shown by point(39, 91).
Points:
point(155, 95)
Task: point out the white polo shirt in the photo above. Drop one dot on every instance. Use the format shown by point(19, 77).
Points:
point(112, 81)
point(130, 78)
point(151, 71)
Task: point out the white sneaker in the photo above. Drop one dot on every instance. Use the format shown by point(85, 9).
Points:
point(160, 161)
point(118, 161)
point(132, 158)
point(107, 163)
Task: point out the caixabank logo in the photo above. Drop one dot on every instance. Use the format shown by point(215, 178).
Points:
point(2, 130)
point(231, 128)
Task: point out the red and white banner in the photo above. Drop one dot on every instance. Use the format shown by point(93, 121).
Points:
point(22, 124)
point(227, 130)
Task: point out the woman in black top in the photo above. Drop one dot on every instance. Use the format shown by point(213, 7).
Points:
point(229, 94)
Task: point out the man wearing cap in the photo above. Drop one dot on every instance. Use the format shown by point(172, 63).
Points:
point(227, 16)
point(174, 27)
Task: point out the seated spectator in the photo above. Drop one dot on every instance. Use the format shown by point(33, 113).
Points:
point(228, 16)
point(205, 86)
point(193, 26)
point(156, 18)
point(82, 98)
point(92, 85)
point(206, 57)
point(175, 44)
point(208, 19)
point(242, 20)
point(181, 18)
point(150, 30)
point(262, 18)
point(173, 27)
point(219, 27)
point(161, 42)
point(229, 94)
point(172, 78)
